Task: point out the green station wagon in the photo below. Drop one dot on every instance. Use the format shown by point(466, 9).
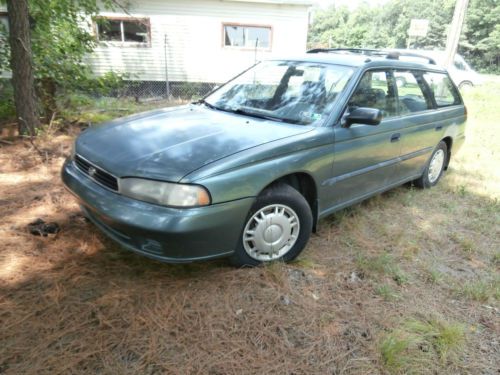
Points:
point(248, 171)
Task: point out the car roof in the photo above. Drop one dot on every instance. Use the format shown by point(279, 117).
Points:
point(363, 60)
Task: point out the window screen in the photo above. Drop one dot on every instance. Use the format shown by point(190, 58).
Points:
point(4, 23)
point(120, 30)
point(247, 36)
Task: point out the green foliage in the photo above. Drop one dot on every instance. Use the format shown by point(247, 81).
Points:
point(386, 26)
point(7, 109)
point(381, 26)
point(480, 41)
point(61, 39)
point(108, 84)
point(61, 36)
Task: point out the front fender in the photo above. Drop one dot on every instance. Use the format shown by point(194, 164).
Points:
point(248, 180)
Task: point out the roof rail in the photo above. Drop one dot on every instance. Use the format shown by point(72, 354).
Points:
point(388, 54)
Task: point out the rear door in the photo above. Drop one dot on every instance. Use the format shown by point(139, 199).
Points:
point(420, 134)
point(427, 102)
point(366, 156)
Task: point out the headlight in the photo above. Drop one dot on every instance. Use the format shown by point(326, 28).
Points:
point(165, 193)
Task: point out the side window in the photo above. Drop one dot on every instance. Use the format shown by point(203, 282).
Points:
point(411, 96)
point(375, 90)
point(442, 89)
point(459, 64)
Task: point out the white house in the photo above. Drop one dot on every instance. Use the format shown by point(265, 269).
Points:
point(196, 40)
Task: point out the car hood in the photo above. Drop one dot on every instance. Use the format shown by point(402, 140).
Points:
point(167, 144)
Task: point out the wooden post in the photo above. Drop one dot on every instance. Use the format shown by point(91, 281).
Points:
point(455, 30)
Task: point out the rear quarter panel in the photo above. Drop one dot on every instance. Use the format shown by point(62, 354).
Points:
point(422, 133)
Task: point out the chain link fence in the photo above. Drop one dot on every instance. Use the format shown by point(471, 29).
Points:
point(158, 90)
point(116, 97)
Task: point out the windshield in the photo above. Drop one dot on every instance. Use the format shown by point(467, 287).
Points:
point(288, 91)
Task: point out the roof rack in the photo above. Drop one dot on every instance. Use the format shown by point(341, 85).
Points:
point(393, 55)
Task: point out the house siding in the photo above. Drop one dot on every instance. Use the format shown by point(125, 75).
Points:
point(193, 30)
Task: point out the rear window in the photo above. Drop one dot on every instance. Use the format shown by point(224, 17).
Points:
point(442, 89)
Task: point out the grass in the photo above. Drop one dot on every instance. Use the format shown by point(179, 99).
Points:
point(387, 292)
point(465, 244)
point(394, 284)
point(433, 275)
point(417, 344)
point(85, 109)
point(481, 290)
point(495, 259)
point(383, 264)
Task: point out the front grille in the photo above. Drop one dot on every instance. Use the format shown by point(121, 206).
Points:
point(97, 174)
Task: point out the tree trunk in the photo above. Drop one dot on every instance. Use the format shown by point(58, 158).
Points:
point(21, 66)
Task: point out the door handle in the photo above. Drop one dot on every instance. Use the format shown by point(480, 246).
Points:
point(395, 137)
point(439, 127)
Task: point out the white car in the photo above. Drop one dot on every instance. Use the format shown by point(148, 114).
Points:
point(460, 72)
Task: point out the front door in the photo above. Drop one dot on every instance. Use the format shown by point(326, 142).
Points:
point(366, 156)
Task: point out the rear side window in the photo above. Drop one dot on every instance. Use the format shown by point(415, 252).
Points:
point(410, 93)
point(442, 89)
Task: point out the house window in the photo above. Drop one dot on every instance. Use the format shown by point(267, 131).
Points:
point(243, 36)
point(4, 22)
point(123, 30)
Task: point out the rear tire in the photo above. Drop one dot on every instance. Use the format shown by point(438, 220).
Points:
point(277, 227)
point(465, 85)
point(434, 168)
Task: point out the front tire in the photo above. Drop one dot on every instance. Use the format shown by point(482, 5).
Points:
point(277, 227)
point(434, 168)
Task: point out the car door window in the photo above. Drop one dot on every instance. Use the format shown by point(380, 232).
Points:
point(445, 94)
point(411, 90)
point(375, 90)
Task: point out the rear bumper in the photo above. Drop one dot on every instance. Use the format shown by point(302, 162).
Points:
point(163, 233)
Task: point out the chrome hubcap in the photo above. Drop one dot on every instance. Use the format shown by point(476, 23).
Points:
point(436, 165)
point(271, 232)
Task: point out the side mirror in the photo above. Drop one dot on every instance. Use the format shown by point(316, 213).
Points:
point(365, 116)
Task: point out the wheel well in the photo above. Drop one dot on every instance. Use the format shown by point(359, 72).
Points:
point(449, 143)
point(305, 185)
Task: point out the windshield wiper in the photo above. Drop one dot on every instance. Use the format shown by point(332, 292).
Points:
point(261, 115)
point(211, 106)
point(249, 112)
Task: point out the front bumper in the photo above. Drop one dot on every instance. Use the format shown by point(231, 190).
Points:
point(163, 233)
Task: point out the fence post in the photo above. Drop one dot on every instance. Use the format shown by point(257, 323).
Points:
point(167, 84)
point(256, 45)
